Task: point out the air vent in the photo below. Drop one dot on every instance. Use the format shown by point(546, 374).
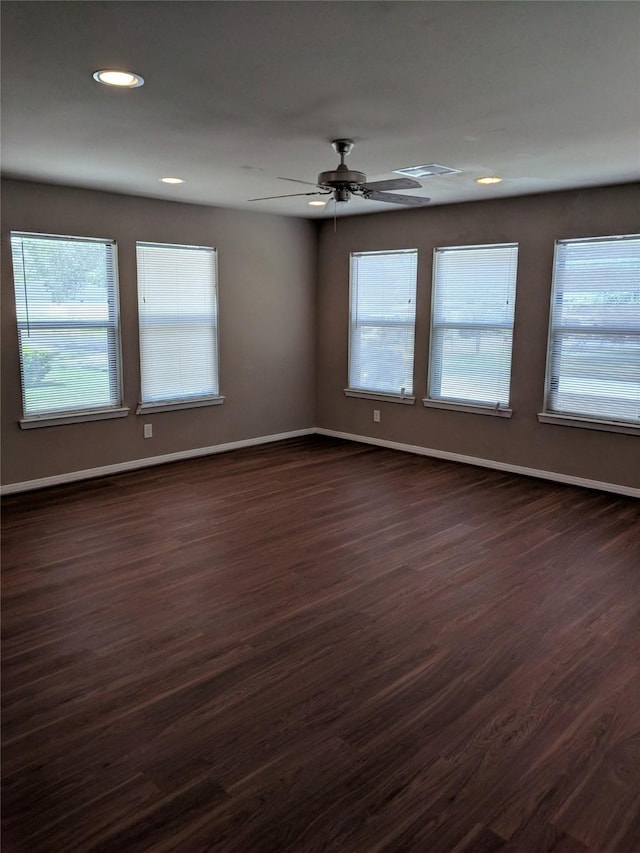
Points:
point(428, 170)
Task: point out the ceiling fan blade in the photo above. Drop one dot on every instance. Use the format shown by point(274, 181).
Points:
point(289, 195)
point(409, 200)
point(393, 184)
point(296, 181)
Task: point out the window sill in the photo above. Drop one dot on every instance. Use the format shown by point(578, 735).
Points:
point(588, 423)
point(168, 406)
point(72, 418)
point(379, 395)
point(471, 408)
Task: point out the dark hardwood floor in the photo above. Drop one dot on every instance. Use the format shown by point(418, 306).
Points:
point(320, 646)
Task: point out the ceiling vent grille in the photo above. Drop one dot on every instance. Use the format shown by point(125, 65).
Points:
point(428, 170)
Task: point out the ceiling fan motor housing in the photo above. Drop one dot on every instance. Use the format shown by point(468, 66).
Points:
point(341, 178)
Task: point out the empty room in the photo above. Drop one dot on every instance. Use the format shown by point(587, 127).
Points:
point(320, 426)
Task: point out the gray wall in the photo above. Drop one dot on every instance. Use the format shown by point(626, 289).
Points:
point(267, 293)
point(534, 222)
point(282, 342)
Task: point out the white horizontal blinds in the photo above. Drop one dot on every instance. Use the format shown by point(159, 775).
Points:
point(473, 303)
point(382, 321)
point(594, 343)
point(67, 313)
point(178, 316)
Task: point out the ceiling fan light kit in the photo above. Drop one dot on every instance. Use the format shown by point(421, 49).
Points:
point(343, 182)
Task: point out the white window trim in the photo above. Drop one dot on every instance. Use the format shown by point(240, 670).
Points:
point(379, 395)
point(588, 423)
point(461, 405)
point(371, 394)
point(550, 416)
point(147, 407)
point(172, 406)
point(497, 411)
point(118, 411)
point(59, 419)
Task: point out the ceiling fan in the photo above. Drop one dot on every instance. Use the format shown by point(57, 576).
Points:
point(343, 183)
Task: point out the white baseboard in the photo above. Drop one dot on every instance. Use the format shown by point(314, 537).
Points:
point(486, 463)
point(133, 464)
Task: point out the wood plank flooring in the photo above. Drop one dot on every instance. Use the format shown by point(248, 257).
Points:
point(320, 646)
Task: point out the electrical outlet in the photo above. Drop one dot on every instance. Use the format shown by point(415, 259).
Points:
point(376, 416)
point(148, 430)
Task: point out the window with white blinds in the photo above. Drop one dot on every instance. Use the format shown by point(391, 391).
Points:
point(66, 294)
point(474, 290)
point(178, 317)
point(593, 365)
point(382, 322)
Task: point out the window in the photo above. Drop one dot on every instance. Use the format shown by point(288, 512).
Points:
point(178, 315)
point(593, 364)
point(474, 289)
point(382, 324)
point(69, 341)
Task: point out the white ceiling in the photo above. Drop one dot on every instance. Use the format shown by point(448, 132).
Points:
point(545, 94)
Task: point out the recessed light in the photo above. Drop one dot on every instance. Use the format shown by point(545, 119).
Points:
point(172, 180)
point(489, 179)
point(123, 79)
point(317, 203)
point(427, 170)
